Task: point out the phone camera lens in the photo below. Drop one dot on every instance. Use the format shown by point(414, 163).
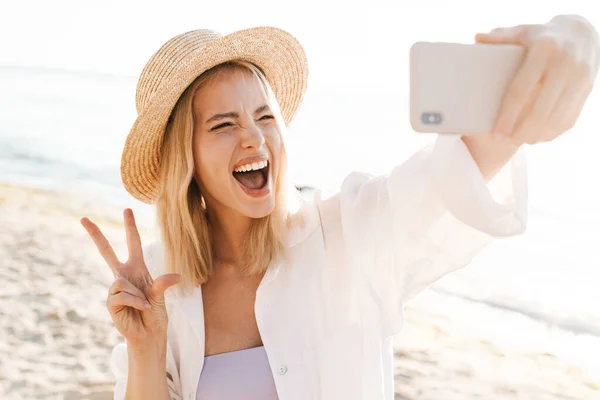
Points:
point(431, 118)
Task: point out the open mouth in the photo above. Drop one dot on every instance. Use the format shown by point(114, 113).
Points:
point(255, 179)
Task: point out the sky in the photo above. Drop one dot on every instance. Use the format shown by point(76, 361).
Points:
point(341, 38)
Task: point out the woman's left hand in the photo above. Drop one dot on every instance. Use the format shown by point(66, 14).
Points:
point(550, 89)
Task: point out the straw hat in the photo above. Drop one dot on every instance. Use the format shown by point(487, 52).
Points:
point(177, 64)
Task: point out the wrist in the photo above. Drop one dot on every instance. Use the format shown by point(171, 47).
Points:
point(147, 372)
point(147, 352)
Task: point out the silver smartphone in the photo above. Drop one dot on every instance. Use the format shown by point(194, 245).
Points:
point(458, 88)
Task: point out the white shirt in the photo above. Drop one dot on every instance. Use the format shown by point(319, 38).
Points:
point(328, 308)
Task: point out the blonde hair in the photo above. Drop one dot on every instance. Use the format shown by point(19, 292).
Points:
point(181, 211)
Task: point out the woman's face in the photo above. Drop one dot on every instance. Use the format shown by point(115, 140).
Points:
point(237, 145)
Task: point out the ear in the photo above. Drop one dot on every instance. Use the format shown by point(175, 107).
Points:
point(514, 35)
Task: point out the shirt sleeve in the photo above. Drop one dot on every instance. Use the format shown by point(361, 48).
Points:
point(118, 364)
point(119, 358)
point(429, 216)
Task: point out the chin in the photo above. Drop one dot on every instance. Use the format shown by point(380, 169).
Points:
point(261, 210)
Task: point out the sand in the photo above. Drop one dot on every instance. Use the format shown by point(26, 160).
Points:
point(56, 335)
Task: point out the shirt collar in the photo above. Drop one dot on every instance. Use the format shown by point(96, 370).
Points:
point(304, 220)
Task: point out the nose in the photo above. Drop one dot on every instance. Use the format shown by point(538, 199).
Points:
point(252, 137)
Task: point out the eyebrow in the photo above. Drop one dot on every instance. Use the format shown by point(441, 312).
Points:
point(233, 114)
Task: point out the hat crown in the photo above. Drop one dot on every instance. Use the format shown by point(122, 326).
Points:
point(165, 61)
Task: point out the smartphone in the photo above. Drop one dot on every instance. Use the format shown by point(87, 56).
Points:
point(458, 88)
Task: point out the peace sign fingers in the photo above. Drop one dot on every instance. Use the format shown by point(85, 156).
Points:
point(103, 245)
point(134, 266)
point(134, 243)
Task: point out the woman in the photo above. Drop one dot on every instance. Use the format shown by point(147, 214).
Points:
point(274, 296)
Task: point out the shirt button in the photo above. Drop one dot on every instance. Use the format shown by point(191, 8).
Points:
point(282, 369)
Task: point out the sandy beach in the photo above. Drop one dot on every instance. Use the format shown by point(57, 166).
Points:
point(56, 335)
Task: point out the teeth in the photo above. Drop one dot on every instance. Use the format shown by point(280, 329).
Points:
point(251, 167)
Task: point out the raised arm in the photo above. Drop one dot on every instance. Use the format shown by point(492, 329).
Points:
point(549, 91)
point(136, 304)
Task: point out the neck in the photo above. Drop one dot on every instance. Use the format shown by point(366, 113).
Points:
point(228, 232)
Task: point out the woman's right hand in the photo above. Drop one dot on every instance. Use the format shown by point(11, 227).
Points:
point(135, 302)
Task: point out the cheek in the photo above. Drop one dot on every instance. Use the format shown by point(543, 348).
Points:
point(211, 161)
point(273, 139)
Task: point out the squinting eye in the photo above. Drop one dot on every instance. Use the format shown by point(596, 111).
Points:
point(267, 116)
point(221, 126)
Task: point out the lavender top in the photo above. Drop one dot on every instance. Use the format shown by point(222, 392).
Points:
point(243, 374)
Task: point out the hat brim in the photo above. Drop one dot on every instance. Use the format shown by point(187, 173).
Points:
point(274, 50)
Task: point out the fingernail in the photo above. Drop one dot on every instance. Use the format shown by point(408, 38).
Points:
point(147, 305)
